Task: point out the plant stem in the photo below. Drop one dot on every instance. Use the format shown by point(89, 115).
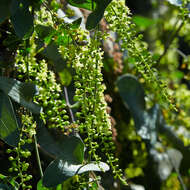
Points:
point(38, 156)
point(74, 132)
point(68, 104)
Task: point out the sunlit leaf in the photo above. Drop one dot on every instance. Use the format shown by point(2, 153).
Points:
point(60, 170)
point(65, 77)
point(85, 4)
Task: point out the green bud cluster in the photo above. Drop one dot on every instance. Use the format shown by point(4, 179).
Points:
point(120, 21)
point(49, 97)
point(19, 155)
point(93, 119)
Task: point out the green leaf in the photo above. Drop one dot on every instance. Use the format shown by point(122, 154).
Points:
point(60, 170)
point(98, 7)
point(21, 93)
point(133, 96)
point(44, 31)
point(65, 77)
point(21, 18)
point(85, 4)
point(131, 92)
point(95, 17)
point(40, 186)
point(57, 144)
point(9, 129)
point(52, 53)
point(8, 182)
point(76, 23)
point(4, 9)
point(143, 22)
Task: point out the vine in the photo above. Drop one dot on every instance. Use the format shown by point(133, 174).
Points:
point(57, 86)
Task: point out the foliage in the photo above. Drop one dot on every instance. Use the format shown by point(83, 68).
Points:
point(57, 61)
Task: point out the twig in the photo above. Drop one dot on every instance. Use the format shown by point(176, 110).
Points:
point(181, 53)
point(74, 132)
point(68, 104)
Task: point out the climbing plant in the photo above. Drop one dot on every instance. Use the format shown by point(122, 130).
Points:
point(53, 69)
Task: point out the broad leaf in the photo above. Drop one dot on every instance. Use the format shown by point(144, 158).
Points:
point(95, 17)
point(4, 9)
point(57, 144)
point(44, 31)
point(76, 23)
point(131, 92)
point(60, 170)
point(21, 18)
point(85, 4)
point(175, 157)
point(9, 129)
point(97, 6)
point(65, 77)
point(133, 96)
point(162, 164)
point(21, 93)
point(52, 53)
point(175, 2)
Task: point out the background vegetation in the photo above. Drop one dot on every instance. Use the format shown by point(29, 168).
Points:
point(94, 94)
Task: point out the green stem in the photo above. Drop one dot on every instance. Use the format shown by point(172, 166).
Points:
point(38, 156)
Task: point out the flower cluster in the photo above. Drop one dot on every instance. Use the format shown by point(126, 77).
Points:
point(120, 21)
point(50, 92)
point(19, 154)
point(93, 119)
